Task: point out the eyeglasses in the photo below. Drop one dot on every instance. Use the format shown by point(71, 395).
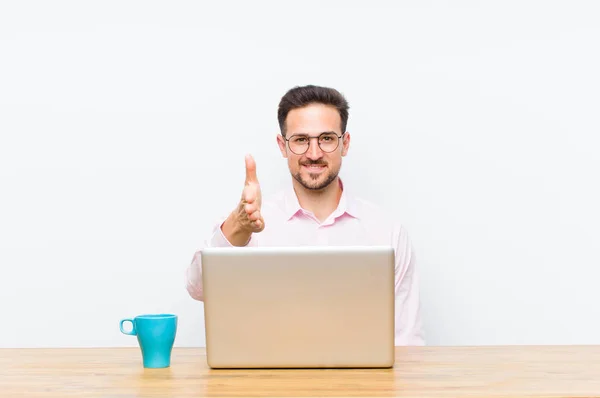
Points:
point(328, 142)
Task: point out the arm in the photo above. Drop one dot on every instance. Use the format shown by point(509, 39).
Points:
point(409, 328)
point(193, 273)
point(236, 230)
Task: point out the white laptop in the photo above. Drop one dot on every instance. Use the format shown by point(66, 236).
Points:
point(299, 307)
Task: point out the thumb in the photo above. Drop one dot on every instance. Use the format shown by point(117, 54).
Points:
point(250, 169)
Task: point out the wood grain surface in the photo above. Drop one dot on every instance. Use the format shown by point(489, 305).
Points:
point(499, 371)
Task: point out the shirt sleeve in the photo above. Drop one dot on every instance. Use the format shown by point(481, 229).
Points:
point(193, 273)
point(409, 325)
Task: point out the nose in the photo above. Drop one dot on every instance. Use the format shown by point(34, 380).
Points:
point(314, 152)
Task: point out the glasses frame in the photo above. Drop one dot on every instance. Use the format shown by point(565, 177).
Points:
point(340, 138)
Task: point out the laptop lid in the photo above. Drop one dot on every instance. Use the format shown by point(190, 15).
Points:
point(299, 307)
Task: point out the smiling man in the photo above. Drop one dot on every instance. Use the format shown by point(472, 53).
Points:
point(317, 208)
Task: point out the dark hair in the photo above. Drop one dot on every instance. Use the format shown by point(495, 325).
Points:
point(299, 97)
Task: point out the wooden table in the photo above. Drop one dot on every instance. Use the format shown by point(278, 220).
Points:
point(502, 371)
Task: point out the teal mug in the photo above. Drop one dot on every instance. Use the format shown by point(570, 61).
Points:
point(156, 335)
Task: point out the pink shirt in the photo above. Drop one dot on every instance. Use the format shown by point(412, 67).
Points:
point(354, 222)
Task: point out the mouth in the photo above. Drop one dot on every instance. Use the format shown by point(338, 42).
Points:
point(314, 168)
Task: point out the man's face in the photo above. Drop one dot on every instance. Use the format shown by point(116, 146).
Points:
point(315, 169)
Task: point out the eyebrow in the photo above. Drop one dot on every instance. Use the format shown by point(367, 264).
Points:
point(324, 132)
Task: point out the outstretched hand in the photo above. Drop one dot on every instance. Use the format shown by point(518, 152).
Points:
point(249, 215)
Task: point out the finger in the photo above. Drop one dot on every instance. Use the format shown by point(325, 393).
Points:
point(259, 224)
point(254, 216)
point(250, 194)
point(250, 208)
point(250, 169)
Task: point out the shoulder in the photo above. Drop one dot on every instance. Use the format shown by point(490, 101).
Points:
point(377, 216)
point(373, 212)
point(369, 209)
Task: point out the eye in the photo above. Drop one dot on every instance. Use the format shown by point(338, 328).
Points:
point(328, 138)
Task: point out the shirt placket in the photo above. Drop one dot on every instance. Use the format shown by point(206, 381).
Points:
point(321, 233)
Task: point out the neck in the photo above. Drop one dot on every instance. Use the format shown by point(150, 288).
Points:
point(321, 202)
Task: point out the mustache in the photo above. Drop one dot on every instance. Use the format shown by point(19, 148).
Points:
point(311, 162)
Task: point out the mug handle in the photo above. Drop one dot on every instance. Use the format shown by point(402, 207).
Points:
point(133, 331)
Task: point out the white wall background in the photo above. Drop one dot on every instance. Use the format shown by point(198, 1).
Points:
point(124, 125)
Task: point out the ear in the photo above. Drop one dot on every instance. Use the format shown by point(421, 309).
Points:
point(346, 144)
point(282, 145)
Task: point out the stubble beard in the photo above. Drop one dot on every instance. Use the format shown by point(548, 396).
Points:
point(313, 184)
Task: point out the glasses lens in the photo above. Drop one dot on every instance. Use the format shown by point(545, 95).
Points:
point(328, 142)
point(298, 144)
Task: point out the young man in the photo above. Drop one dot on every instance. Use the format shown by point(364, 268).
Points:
point(317, 209)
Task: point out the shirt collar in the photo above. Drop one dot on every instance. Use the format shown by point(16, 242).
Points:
point(347, 204)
